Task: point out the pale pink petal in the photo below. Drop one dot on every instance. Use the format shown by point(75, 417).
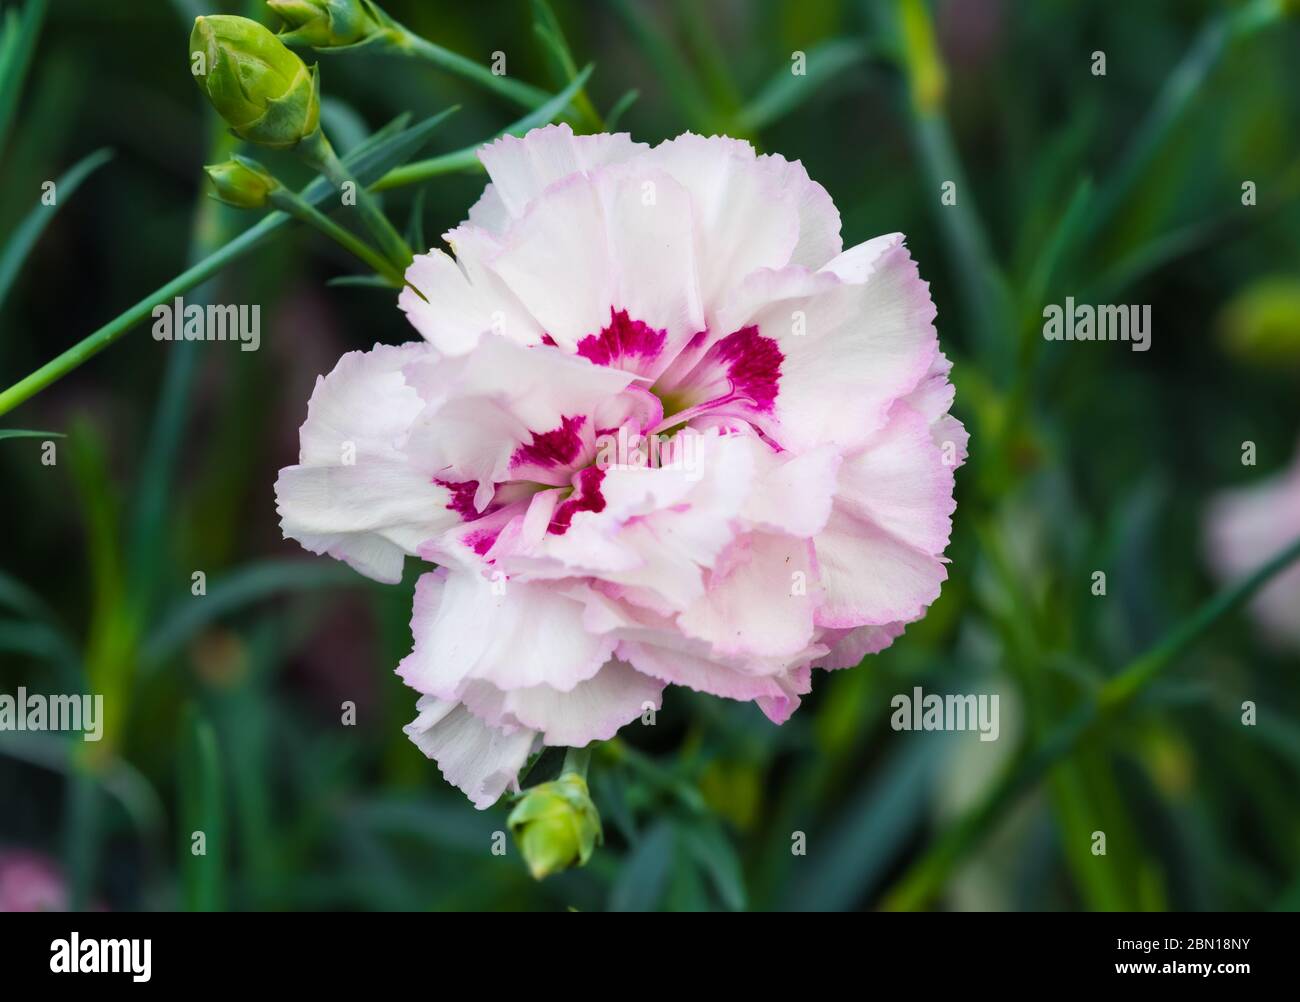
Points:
point(513, 634)
point(819, 220)
point(700, 672)
point(510, 412)
point(836, 354)
point(522, 168)
point(871, 577)
point(849, 647)
point(608, 259)
point(745, 217)
point(761, 602)
point(482, 761)
point(899, 481)
point(1247, 526)
point(456, 304)
point(793, 492)
point(355, 493)
point(658, 529)
point(933, 397)
point(593, 710)
point(779, 709)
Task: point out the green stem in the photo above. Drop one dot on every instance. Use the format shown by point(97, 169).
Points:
point(923, 881)
point(407, 43)
point(576, 760)
point(467, 158)
point(96, 342)
point(317, 152)
point(293, 204)
point(1121, 689)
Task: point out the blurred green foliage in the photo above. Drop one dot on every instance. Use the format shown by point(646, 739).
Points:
point(226, 716)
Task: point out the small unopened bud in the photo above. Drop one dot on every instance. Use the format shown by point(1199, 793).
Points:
point(242, 182)
point(556, 825)
point(328, 24)
point(267, 94)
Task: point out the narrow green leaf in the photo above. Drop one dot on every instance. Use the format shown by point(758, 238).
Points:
point(42, 642)
point(620, 108)
point(236, 591)
point(28, 433)
point(1059, 249)
point(24, 238)
point(17, 596)
point(857, 851)
point(361, 281)
point(343, 124)
point(926, 876)
point(1176, 98)
point(785, 91)
point(644, 876)
point(415, 225)
point(202, 829)
point(677, 76)
point(705, 48)
point(547, 27)
point(715, 854)
point(17, 49)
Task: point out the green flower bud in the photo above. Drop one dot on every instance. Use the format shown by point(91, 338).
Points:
point(1261, 325)
point(556, 825)
point(327, 24)
point(242, 182)
point(265, 92)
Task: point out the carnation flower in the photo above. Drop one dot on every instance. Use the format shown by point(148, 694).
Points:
point(660, 430)
point(1246, 527)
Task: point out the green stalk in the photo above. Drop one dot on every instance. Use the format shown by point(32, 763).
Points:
point(926, 877)
point(317, 152)
point(576, 760)
point(467, 158)
point(407, 43)
point(294, 205)
point(98, 340)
